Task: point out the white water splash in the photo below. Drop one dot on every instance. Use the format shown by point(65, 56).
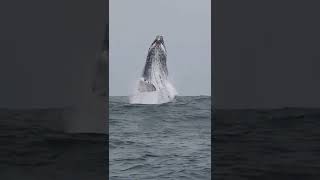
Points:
point(163, 95)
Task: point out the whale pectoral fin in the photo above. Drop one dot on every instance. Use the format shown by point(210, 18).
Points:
point(145, 86)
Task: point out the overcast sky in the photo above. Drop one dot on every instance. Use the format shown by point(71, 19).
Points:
point(186, 27)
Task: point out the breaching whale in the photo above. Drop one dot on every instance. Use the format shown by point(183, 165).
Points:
point(154, 86)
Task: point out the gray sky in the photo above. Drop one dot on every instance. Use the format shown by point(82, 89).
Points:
point(186, 27)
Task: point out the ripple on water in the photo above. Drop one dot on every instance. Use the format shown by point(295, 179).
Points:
point(165, 141)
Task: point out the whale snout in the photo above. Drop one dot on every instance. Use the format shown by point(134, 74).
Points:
point(159, 39)
point(159, 42)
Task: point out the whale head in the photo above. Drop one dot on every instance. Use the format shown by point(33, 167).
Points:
point(158, 42)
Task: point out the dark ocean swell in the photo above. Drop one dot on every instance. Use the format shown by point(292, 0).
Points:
point(267, 144)
point(165, 141)
point(30, 149)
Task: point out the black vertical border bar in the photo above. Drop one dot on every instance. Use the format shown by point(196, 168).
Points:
point(106, 46)
point(213, 118)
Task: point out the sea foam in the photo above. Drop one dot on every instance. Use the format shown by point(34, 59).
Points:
point(162, 95)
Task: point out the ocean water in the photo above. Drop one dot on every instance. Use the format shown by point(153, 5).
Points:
point(160, 141)
point(31, 149)
point(267, 144)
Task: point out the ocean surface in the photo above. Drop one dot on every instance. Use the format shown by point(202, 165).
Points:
point(267, 144)
point(31, 149)
point(161, 141)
